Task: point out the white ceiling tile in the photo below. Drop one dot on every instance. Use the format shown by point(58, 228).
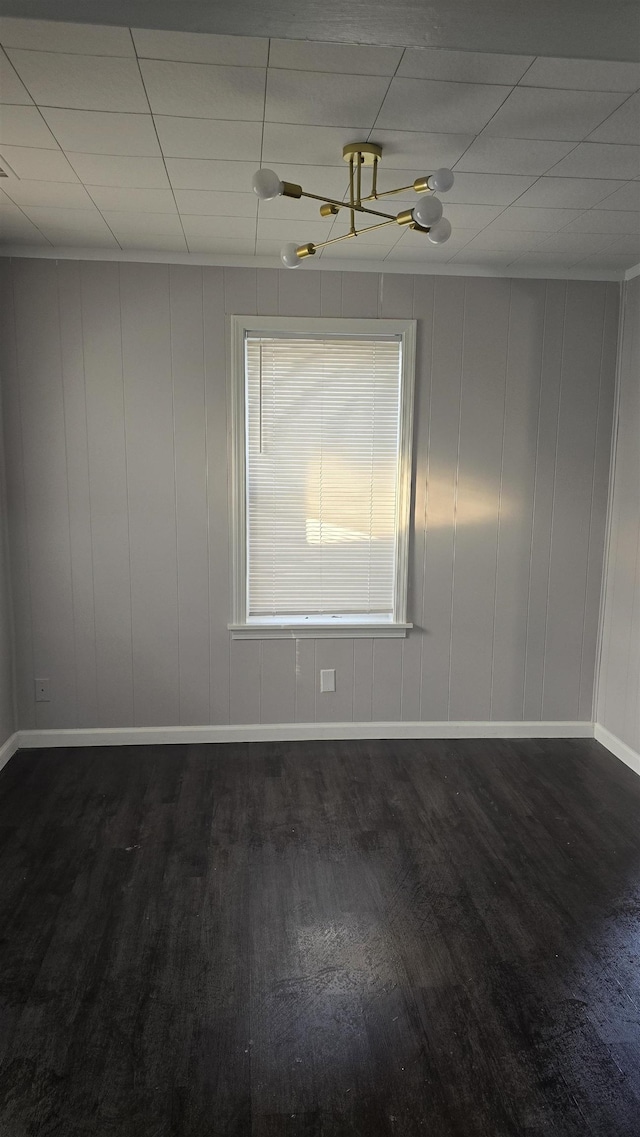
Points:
point(529, 219)
point(130, 225)
point(487, 189)
point(8, 208)
point(582, 244)
point(540, 260)
point(534, 112)
point(209, 138)
point(200, 47)
point(117, 170)
point(313, 145)
point(16, 228)
point(609, 261)
point(599, 160)
point(201, 90)
point(463, 66)
point(422, 250)
point(496, 258)
point(512, 155)
point(231, 227)
point(623, 244)
point(622, 126)
point(159, 242)
point(471, 216)
point(50, 35)
point(22, 234)
point(323, 99)
point(12, 89)
point(88, 238)
point(568, 193)
point(98, 132)
point(421, 152)
point(115, 198)
point(341, 58)
point(583, 74)
point(63, 221)
point(269, 230)
point(627, 197)
point(222, 246)
point(216, 203)
point(83, 82)
point(506, 240)
point(38, 165)
point(606, 221)
point(24, 126)
point(426, 105)
point(54, 195)
point(210, 174)
point(356, 251)
point(268, 249)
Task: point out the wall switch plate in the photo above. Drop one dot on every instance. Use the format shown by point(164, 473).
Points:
point(43, 694)
point(328, 680)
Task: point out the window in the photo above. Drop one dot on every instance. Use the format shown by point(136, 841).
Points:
point(321, 485)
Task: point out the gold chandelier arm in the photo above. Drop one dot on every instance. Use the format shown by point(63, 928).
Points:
point(420, 185)
point(347, 205)
point(359, 182)
point(351, 197)
point(355, 233)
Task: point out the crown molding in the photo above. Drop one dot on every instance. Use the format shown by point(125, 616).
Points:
point(147, 256)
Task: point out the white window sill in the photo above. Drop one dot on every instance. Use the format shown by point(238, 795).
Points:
point(325, 629)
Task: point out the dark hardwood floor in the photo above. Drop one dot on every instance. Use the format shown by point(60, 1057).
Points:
point(373, 938)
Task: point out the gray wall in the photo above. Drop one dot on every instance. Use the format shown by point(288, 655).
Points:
point(7, 710)
point(117, 458)
point(619, 687)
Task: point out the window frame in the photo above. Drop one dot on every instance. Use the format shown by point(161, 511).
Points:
point(315, 627)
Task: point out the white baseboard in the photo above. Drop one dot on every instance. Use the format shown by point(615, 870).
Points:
point(8, 748)
point(625, 753)
point(299, 732)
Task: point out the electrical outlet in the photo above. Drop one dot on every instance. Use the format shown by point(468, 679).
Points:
point(328, 680)
point(43, 694)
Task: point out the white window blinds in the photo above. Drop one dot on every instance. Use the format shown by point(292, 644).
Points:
point(322, 462)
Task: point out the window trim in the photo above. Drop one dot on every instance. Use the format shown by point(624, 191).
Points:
point(316, 627)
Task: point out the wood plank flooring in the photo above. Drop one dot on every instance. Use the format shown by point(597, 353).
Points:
point(320, 939)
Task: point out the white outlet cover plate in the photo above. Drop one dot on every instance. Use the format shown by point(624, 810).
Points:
point(327, 680)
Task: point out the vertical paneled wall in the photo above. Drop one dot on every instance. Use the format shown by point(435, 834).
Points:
point(619, 688)
point(116, 434)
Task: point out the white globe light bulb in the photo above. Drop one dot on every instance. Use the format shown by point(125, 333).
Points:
point(442, 180)
point(266, 184)
point(427, 211)
point(440, 233)
point(289, 255)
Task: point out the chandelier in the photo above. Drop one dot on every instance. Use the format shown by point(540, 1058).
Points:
point(425, 217)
